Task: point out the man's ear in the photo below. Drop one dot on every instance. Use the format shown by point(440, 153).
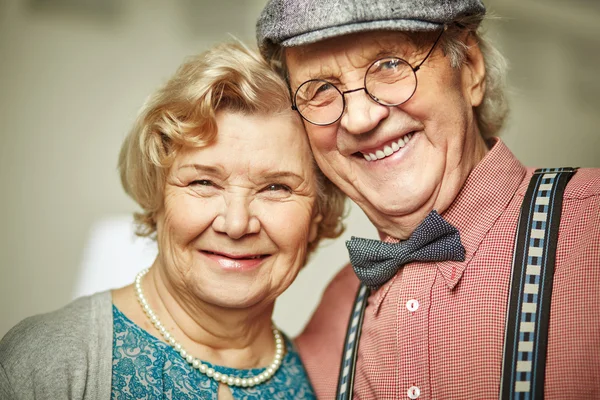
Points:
point(473, 71)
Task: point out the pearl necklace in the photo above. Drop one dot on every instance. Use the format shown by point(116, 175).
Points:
point(196, 363)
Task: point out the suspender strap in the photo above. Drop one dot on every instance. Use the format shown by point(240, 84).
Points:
point(350, 351)
point(528, 312)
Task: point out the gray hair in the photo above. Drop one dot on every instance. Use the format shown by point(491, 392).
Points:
point(491, 114)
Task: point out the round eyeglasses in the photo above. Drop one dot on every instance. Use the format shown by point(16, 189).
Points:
point(389, 81)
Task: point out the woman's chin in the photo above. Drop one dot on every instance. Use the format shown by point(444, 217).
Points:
point(236, 298)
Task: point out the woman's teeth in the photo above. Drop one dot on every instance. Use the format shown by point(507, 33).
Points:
point(240, 258)
point(389, 149)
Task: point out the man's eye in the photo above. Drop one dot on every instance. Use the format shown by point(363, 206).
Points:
point(389, 64)
point(316, 91)
point(324, 87)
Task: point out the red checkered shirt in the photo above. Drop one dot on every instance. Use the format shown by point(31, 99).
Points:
point(437, 328)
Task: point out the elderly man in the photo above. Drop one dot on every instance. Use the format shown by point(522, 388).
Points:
point(401, 101)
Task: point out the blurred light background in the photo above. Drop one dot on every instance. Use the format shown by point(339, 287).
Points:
point(73, 74)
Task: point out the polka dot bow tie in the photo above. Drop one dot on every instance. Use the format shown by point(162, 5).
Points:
point(375, 262)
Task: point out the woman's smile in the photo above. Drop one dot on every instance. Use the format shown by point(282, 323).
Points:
point(236, 262)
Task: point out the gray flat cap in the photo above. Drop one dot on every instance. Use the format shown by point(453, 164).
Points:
point(291, 23)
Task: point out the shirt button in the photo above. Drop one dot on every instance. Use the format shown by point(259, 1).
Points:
point(412, 305)
point(413, 392)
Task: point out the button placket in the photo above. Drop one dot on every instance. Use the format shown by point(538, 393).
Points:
point(418, 281)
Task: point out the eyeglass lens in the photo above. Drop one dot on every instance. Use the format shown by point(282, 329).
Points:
point(389, 81)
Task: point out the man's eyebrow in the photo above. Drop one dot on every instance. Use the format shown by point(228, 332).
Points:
point(324, 73)
point(394, 50)
point(386, 53)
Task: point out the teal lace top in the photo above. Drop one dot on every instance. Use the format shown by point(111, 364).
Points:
point(147, 368)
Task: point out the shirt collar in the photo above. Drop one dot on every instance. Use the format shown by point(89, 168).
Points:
point(474, 210)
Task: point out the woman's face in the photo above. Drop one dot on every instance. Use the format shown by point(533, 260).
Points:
point(239, 213)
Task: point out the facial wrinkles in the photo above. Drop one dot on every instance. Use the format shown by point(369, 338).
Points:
point(456, 145)
point(296, 173)
point(323, 62)
point(330, 67)
point(249, 178)
point(171, 252)
point(180, 293)
point(176, 249)
point(460, 150)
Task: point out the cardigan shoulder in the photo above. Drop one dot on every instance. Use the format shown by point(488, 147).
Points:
point(66, 353)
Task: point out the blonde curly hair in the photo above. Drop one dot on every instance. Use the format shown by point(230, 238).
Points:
point(181, 114)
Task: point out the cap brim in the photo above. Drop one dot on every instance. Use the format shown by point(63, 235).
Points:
point(331, 32)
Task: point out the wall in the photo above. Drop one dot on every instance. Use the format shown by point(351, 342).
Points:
point(73, 75)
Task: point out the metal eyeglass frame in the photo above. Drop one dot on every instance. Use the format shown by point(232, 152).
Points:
point(374, 98)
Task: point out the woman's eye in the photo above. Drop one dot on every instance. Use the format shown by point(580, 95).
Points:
point(201, 182)
point(274, 187)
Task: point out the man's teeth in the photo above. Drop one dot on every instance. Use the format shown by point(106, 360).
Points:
point(390, 149)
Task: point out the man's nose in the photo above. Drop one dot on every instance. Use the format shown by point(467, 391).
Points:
point(237, 220)
point(362, 113)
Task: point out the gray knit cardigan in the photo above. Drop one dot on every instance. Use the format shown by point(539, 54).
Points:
point(65, 354)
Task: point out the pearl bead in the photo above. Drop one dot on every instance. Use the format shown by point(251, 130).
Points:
point(203, 368)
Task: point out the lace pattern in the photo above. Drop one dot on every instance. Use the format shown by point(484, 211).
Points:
point(147, 368)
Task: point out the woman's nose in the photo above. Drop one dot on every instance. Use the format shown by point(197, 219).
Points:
point(237, 220)
point(362, 113)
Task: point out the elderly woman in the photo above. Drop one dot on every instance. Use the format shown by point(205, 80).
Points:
point(221, 167)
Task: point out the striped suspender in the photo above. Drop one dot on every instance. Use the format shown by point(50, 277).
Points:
point(528, 313)
point(529, 301)
point(350, 351)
